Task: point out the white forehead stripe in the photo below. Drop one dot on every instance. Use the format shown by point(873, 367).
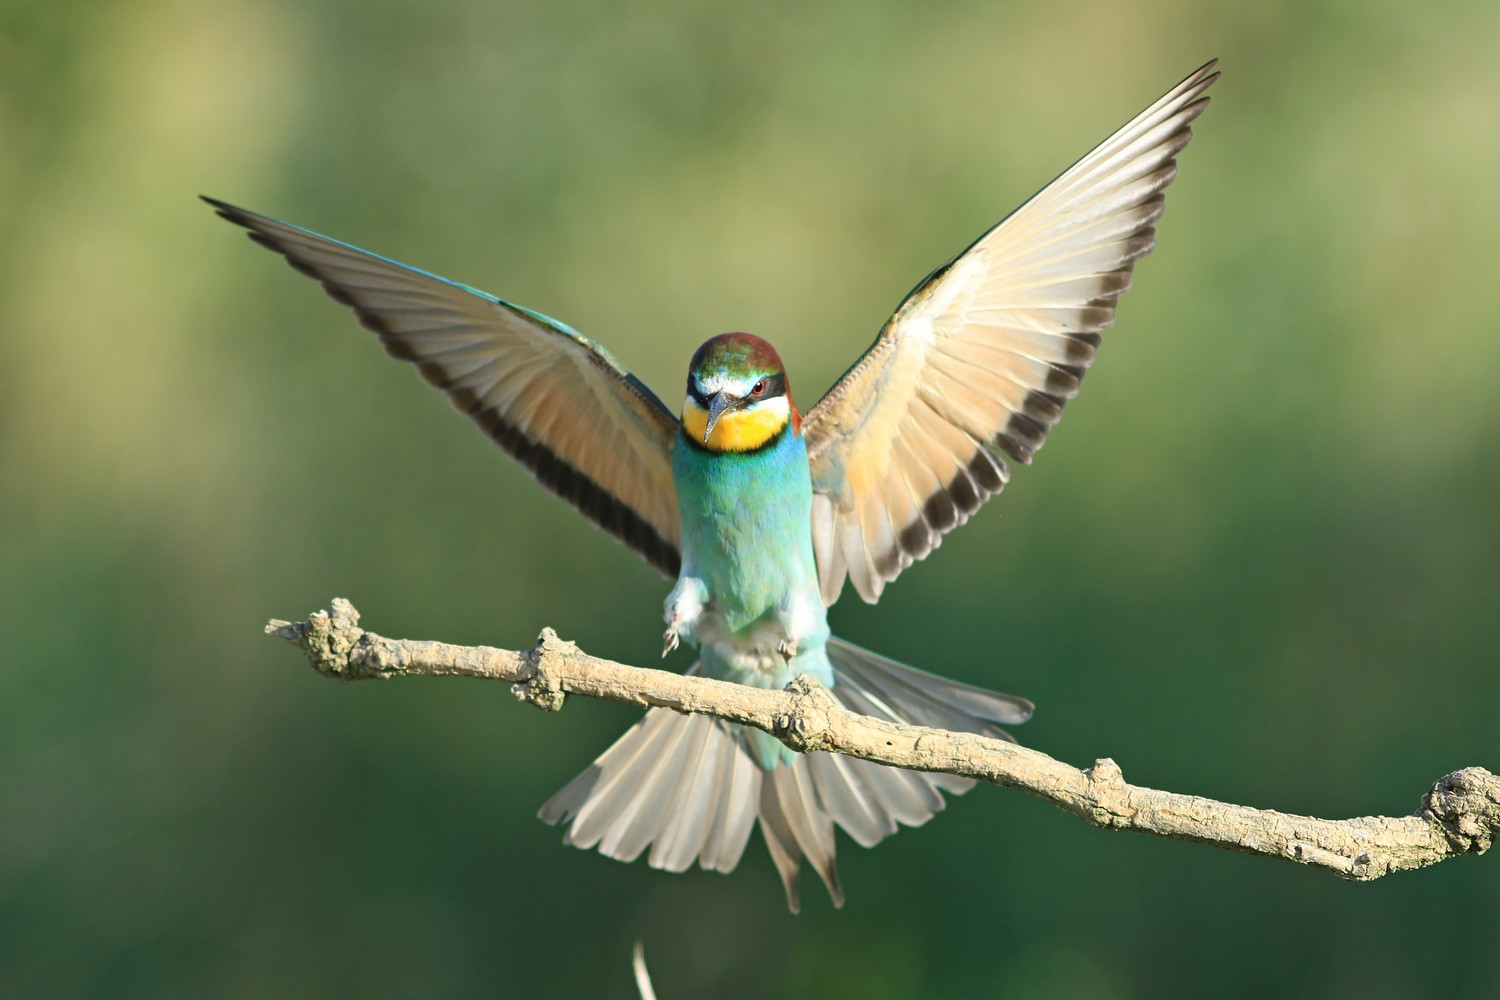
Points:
point(719, 382)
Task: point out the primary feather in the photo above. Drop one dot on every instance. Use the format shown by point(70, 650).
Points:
point(982, 356)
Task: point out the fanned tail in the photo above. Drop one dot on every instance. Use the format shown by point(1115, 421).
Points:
point(895, 691)
point(869, 800)
point(689, 787)
point(683, 784)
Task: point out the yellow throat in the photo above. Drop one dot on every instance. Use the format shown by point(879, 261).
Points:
point(737, 430)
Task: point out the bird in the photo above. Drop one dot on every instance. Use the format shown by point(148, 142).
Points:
point(761, 513)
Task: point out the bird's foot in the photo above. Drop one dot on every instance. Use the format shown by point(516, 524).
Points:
point(787, 648)
point(669, 639)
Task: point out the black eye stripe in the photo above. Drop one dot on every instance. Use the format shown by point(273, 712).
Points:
point(773, 386)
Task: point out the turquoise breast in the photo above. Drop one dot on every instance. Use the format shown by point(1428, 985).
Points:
point(747, 534)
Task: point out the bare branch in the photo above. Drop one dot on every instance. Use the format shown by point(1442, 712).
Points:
point(1459, 815)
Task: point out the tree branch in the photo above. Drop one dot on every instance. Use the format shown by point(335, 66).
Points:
point(1459, 815)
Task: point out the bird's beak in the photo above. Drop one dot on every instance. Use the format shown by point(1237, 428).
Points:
point(716, 408)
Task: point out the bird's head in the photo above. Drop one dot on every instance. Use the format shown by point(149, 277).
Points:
point(737, 397)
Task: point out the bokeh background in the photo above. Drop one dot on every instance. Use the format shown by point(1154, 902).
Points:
point(1258, 560)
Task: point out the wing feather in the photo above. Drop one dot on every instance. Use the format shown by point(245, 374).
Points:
point(552, 398)
point(981, 358)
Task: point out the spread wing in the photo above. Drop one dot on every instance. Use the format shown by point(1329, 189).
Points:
point(555, 400)
point(982, 356)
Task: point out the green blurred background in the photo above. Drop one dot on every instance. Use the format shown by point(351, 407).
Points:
point(1258, 561)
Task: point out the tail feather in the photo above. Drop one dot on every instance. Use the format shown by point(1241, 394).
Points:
point(887, 701)
point(781, 842)
point(902, 798)
point(643, 818)
point(623, 769)
point(564, 805)
point(690, 787)
point(903, 790)
point(917, 696)
point(569, 802)
point(684, 784)
point(846, 795)
point(695, 800)
point(796, 797)
point(739, 791)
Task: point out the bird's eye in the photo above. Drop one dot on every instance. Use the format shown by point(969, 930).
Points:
point(758, 388)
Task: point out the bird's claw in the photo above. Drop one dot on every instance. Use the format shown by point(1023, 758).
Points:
point(787, 648)
point(669, 640)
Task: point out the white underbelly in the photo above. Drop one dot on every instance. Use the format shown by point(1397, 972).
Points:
point(757, 647)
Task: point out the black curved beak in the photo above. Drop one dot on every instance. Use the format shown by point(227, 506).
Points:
point(716, 407)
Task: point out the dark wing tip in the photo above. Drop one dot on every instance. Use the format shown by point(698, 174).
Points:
point(1202, 74)
point(255, 229)
point(228, 212)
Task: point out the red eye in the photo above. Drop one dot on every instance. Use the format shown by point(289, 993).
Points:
point(758, 388)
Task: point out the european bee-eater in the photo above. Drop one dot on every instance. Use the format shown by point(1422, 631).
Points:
point(761, 513)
